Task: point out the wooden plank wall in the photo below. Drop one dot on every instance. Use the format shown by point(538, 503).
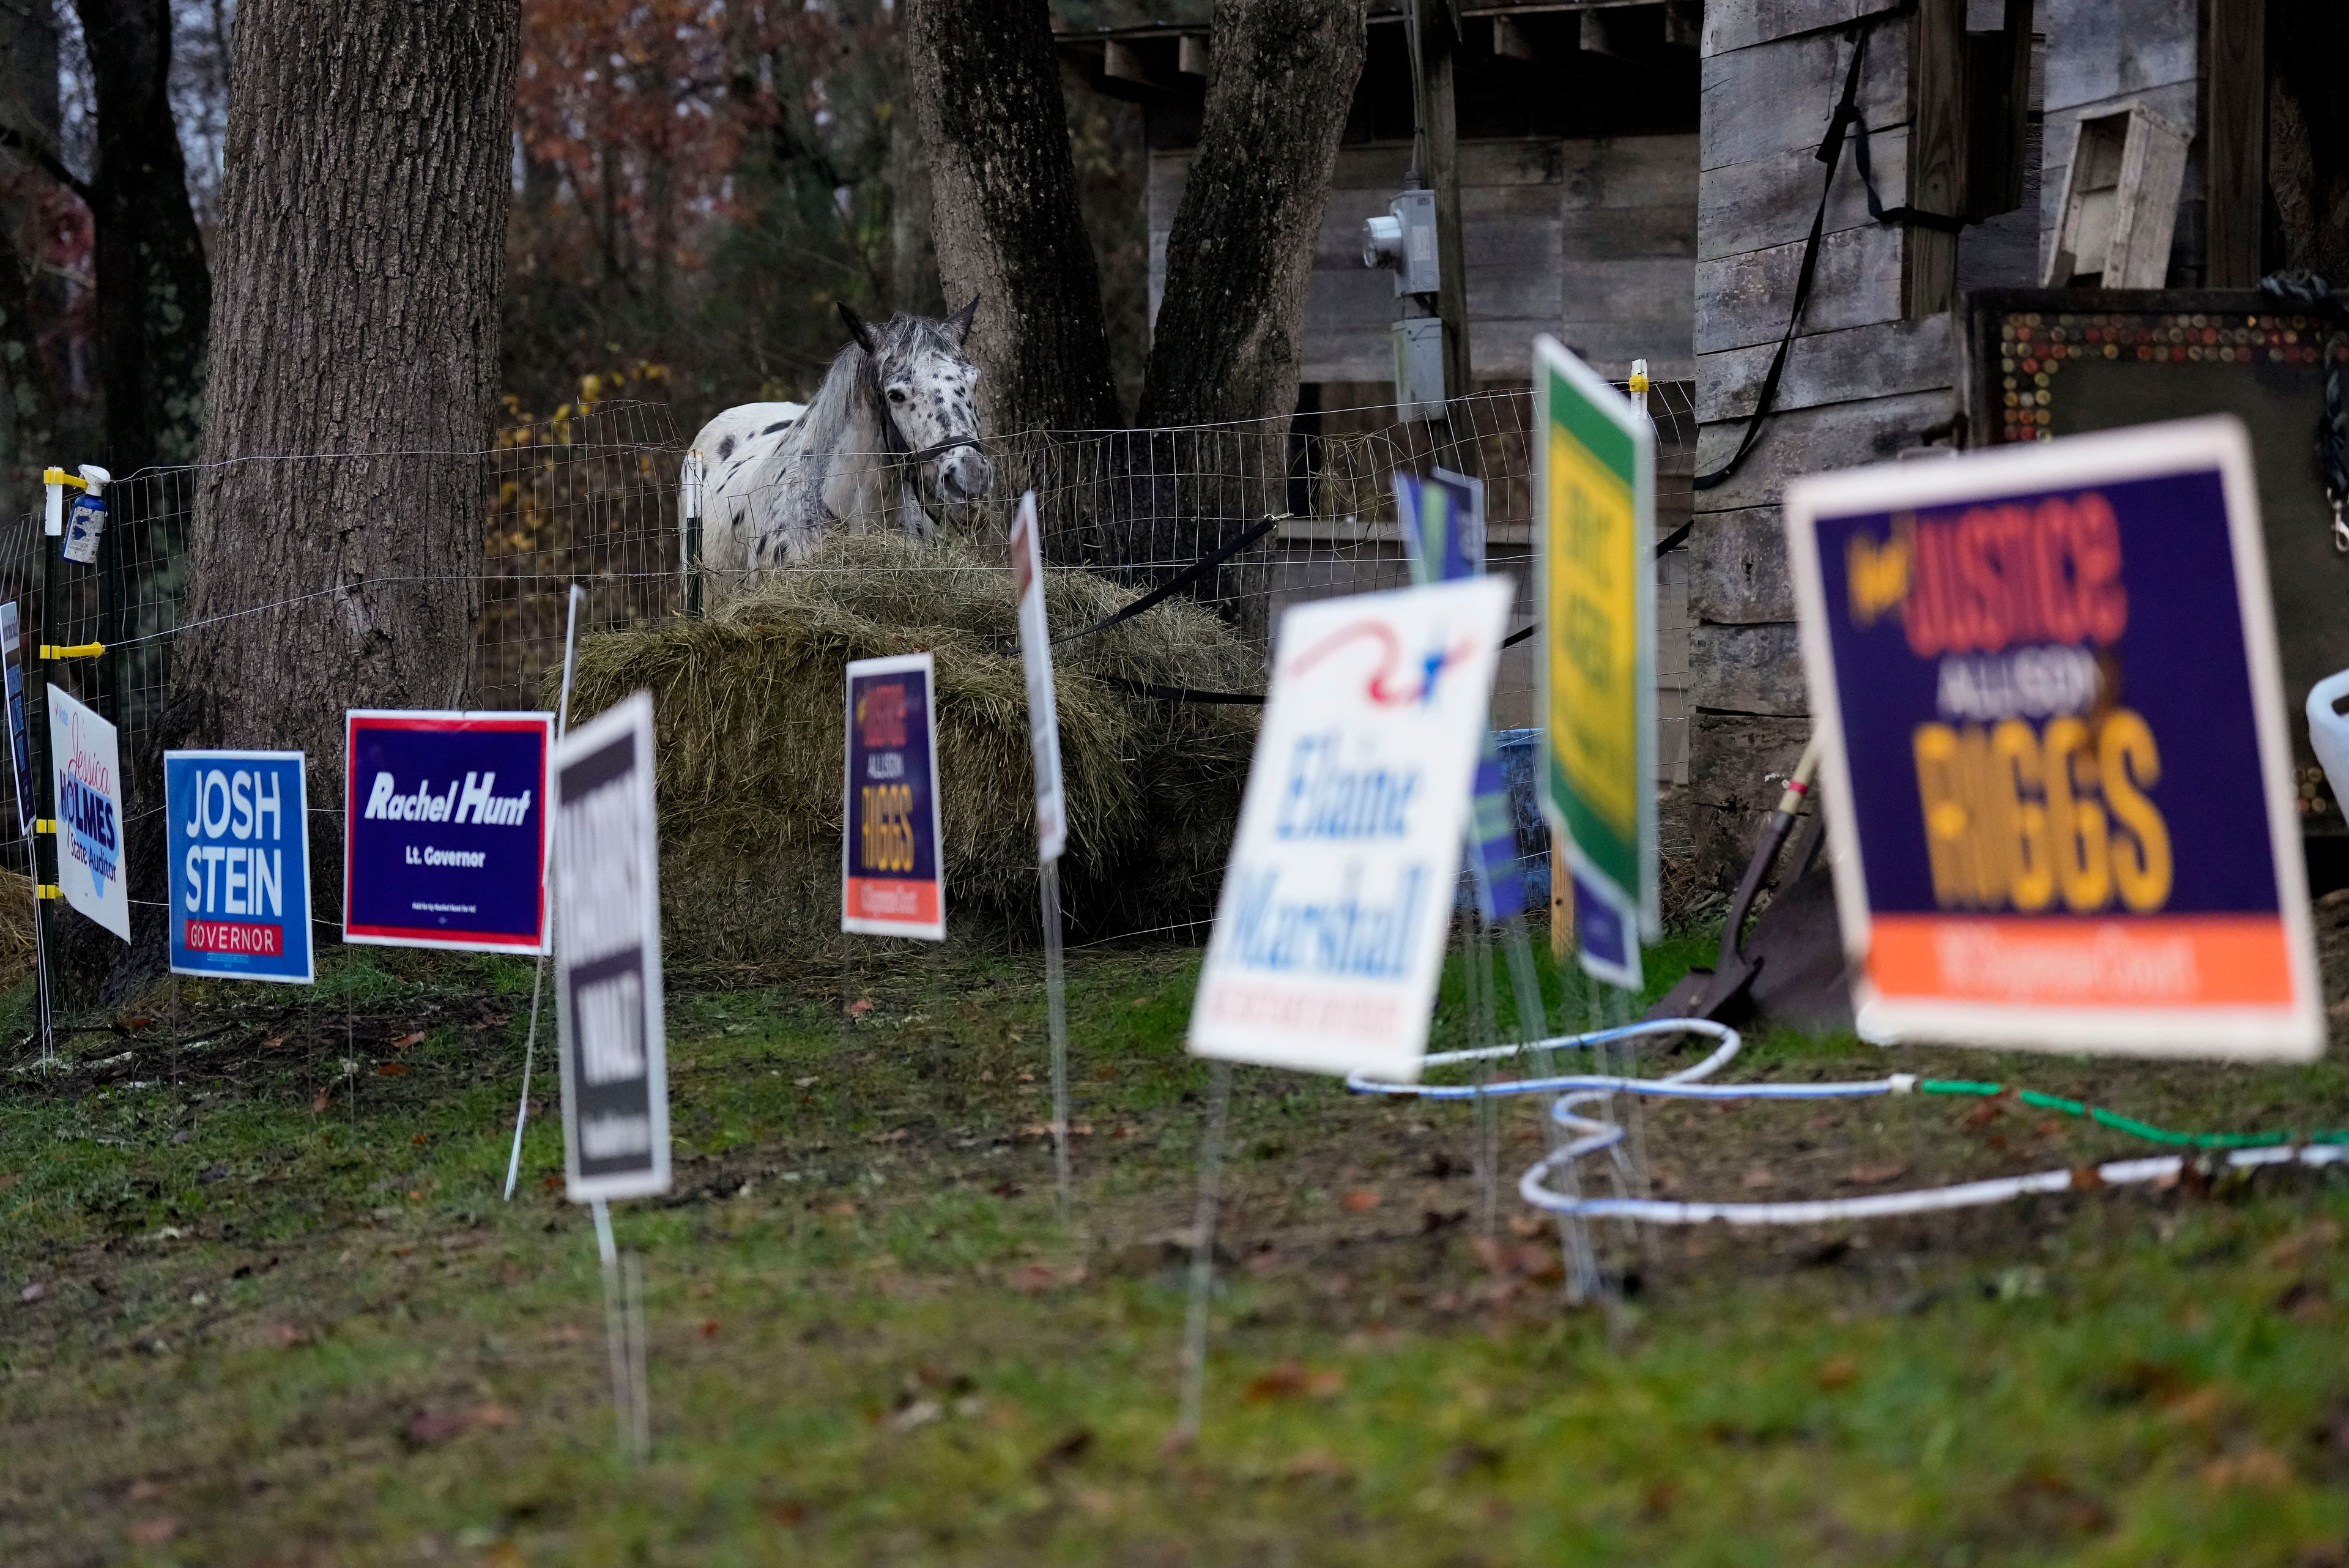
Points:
point(1593, 240)
point(2102, 55)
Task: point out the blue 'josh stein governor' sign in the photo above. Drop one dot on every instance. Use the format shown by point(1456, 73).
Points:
point(238, 837)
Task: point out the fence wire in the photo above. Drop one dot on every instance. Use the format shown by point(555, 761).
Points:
point(592, 497)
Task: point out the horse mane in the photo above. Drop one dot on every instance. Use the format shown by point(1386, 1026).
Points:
point(848, 388)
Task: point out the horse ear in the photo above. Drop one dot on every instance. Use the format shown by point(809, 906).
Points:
point(856, 327)
point(957, 326)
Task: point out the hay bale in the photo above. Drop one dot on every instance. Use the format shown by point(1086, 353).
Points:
point(748, 707)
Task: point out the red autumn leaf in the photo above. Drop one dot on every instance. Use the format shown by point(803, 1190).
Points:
point(392, 1070)
point(404, 1041)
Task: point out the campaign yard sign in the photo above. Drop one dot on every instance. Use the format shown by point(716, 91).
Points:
point(1443, 523)
point(237, 843)
point(893, 881)
point(1595, 506)
point(1337, 898)
point(1036, 656)
point(89, 781)
point(607, 979)
point(20, 740)
point(2057, 766)
point(445, 828)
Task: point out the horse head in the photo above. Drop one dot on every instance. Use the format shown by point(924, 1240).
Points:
point(921, 384)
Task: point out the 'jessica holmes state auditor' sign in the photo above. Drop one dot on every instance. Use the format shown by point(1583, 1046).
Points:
point(445, 820)
point(2056, 763)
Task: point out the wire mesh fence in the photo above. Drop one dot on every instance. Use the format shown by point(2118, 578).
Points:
point(592, 497)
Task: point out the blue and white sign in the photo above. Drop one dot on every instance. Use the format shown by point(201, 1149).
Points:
point(446, 829)
point(236, 828)
point(90, 813)
point(20, 740)
point(1335, 902)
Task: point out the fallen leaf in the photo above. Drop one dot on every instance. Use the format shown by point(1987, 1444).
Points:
point(1033, 1277)
point(1878, 1174)
point(807, 1083)
point(319, 1102)
point(710, 1328)
point(439, 1425)
point(1292, 1380)
point(417, 1140)
point(287, 1336)
point(787, 1512)
point(391, 1069)
point(32, 1293)
point(1757, 1179)
point(1313, 1464)
point(860, 1007)
point(273, 1044)
point(2253, 1469)
point(154, 1531)
point(1360, 1199)
point(1837, 1372)
point(404, 1041)
point(844, 1210)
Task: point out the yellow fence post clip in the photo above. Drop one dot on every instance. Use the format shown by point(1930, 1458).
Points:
point(48, 891)
point(76, 651)
point(45, 824)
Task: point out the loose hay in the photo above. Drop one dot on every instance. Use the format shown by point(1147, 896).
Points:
point(748, 706)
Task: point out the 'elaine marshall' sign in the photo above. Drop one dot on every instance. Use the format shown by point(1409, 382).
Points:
point(1338, 896)
point(88, 780)
point(891, 882)
point(445, 827)
point(2057, 769)
point(236, 832)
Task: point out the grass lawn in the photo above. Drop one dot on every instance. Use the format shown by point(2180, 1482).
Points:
point(262, 1304)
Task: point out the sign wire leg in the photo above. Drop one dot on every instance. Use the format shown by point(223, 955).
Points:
point(1203, 1258)
point(538, 977)
point(619, 1352)
point(41, 960)
point(1582, 1277)
point(1056, 1012)
point(1484, 1030)
point(529, 1058)
point(1619, 1009)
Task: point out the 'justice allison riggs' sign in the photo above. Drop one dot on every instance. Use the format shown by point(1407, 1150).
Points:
point(892, 884)
point(237, 829)
point(445, 830)
point(607, 979)
point(2057, 769)
point(89, 814)
point(1338, 896)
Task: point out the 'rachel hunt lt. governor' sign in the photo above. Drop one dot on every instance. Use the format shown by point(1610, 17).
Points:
point(1595, 496)
point(2058, 772)
point(1338, 892)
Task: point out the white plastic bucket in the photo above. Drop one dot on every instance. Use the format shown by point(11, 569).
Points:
point(2328, 732)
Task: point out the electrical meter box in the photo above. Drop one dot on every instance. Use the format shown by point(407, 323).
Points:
point(1404, 241)
point(1419, 368)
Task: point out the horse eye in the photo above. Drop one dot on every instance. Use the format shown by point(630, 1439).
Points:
point(896, 394)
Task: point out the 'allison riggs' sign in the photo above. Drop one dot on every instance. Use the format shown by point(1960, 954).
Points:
point(607, 971)
point(445, 830)
point(2058, 773)
point(1329, 932)
point(892, 883)
point(237, 831)
point(90, 813)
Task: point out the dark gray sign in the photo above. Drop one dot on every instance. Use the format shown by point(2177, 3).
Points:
point(607, 973)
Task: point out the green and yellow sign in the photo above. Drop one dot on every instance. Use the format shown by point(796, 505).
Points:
point(1595, 496)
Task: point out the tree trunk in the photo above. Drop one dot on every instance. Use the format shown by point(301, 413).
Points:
point(154, 291)
point(987, 95)
point(28, 120)
point(361, 255)
point(1227, 342)
point(2308, 140)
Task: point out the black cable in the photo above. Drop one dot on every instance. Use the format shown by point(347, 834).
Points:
point(1180, 580)
point(2310, 291)
point(1830, 153)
